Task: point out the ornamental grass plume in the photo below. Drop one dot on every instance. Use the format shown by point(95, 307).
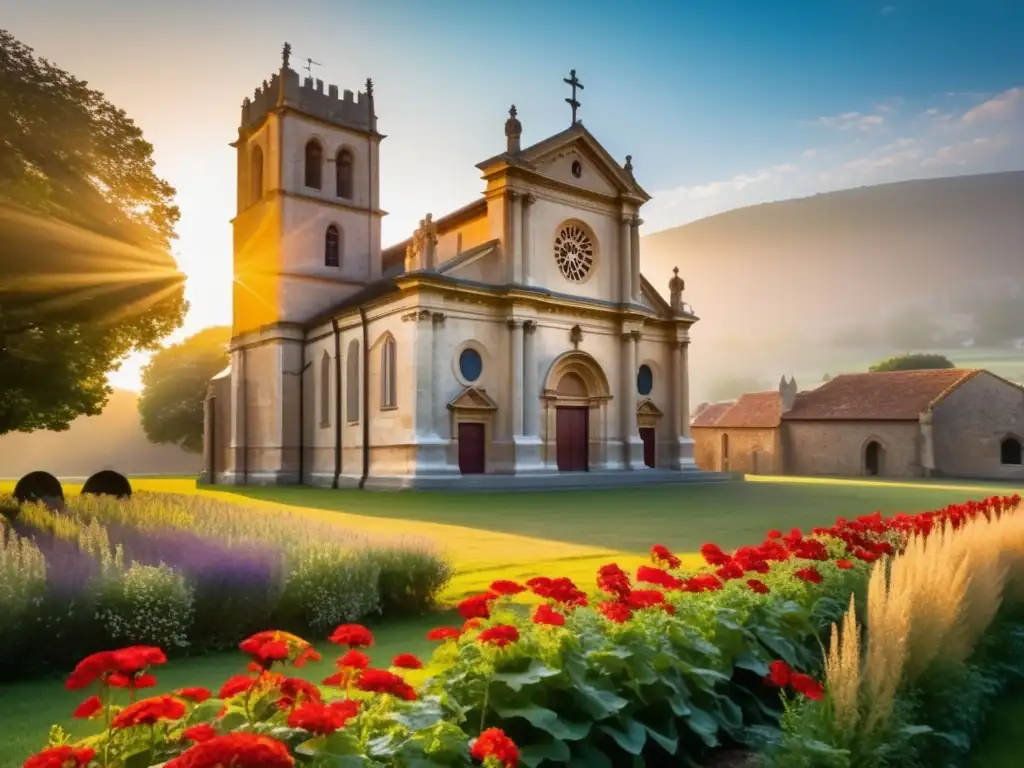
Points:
point(888, 621)
point(843, 672)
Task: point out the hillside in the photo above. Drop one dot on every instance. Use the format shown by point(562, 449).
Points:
point(112, 440)
point(827, 260)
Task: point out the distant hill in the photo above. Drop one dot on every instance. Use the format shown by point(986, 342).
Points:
point(822, 261)
point(777, 285)
point(112, 440)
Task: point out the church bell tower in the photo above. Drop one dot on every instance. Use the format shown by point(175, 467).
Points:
point(307, 228)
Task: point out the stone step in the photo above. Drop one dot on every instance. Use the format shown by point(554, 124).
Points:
point(567, 481)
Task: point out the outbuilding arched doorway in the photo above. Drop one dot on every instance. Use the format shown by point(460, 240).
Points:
point(576, 393)
point(873, 457)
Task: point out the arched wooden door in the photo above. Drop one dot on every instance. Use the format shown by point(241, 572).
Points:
point(572, 426)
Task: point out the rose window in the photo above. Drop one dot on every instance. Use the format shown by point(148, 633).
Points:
point(574, 253)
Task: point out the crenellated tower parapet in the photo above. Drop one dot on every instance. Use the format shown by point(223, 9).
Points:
point(286, 89)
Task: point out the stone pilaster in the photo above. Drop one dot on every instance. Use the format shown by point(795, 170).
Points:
point(626, 263)
point(528, 201)
point(525, 399)
point(516, 235)
point(430, 450)
point(927, 444)
point(632, 445)
point(239, 406)
point(634, 257)
point(681, 405)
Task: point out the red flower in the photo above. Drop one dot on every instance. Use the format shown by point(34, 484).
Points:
point(235, 749)
point(809, 574)
point(126, 661)
point(133, 682)
point(758, 586)
point(354, 659)
point(235, 685)
point(545, 614)
point(381, 681)
point(807, 685)
point(617, 612)
point(469, 624)
point(729, 570)
point(149, 711)
point(506, 587)
point(494, 743)
point(294, 690)
point(644, 598)
point(844, 564)
point(476, 607)
point(658, 577)
point(773, 534)
point(352, 635)
point(406, 661)
point(444, 633)
point(561, 590)
point(340, 679)
point(61, 757)
point(309, 653)
point(201, 732)
point(198, 695)
point(612, 579)
point(706, 582)
point(779, 674)
point(713, 554)
point(660, 555)
point(323, 719)
point(88, 708)
point(499, 635)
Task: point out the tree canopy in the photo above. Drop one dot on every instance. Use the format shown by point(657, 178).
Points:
point(86, 274)
point(174, 388)
point(917, 361)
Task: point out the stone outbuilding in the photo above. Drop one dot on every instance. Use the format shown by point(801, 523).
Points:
point(951, 422)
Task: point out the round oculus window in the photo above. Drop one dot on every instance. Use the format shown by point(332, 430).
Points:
point(644, 380)
point(574, 253)
point(471, 365)
point(577, 168)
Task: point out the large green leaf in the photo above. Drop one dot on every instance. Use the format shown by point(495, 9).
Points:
point(529, 676)
point(534, 754)
point(547, 721)
point(750, 661)
point(704, 725)
point(586, 755)
point(420, 716)
point(342, 742)
point(629, 734)
point(597, 703)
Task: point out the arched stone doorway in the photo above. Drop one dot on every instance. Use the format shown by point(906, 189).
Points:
point(874, 455)
point(576, 396)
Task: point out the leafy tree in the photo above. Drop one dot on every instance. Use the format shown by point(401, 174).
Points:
point(86, 274)
point(174, 388)
point(917, 361)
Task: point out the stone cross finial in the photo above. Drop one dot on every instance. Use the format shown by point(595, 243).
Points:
point(286, 55)
point(629, 164)
point(512, 111)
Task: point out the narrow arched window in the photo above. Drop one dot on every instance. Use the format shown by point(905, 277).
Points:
point(255, 175)
point(343, 170)
point(1010, 452)
point(325, 390)
point(352, 382)
point(314, 163)
point(388, 398)
point(332, 247)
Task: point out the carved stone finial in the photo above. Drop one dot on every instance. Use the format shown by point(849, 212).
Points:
point(513, 130)
point(576, 336)
point(676, 285)
point(629, 164)
point(369, 86)
point(286, 55)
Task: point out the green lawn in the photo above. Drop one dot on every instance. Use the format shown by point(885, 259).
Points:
point(518, 535)
point(31, 708)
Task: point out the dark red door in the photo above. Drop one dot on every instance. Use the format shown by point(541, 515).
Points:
point(471, 448)
point(572, 439)
point(647, 435)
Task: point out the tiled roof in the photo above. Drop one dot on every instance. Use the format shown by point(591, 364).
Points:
point(889, 396)
point(709, 416)
point(754, 410)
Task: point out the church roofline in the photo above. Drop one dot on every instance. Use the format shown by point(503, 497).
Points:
point(459, 216)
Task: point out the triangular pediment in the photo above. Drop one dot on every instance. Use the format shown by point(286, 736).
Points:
point(648, 408)
point(473, 399)
point(652, 299)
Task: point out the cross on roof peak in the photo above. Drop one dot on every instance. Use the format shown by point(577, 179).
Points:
point(574, 83)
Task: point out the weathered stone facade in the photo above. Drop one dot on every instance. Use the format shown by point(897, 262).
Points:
point(947, 423)
point(349, 361)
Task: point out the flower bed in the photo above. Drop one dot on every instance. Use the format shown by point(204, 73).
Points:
point(668, 667)
point(190, 573)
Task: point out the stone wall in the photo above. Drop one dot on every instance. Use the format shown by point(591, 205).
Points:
point(836, 448)
point(751, 451)
point(970, 424)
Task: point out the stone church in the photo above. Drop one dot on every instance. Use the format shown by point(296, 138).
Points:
point(513, 342)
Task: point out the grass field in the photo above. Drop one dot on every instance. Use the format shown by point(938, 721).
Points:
point(518, 535)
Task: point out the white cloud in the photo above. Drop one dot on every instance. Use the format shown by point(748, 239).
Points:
point(1004, 106)
point(930, 141)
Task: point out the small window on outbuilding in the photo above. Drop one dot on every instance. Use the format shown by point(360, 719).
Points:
point(1010, 452)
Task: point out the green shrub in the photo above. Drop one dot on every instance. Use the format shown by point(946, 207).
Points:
point(411, 579)
point(145, 605)
point(325, 587)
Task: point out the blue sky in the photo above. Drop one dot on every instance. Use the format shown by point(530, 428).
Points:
point(721, 103)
